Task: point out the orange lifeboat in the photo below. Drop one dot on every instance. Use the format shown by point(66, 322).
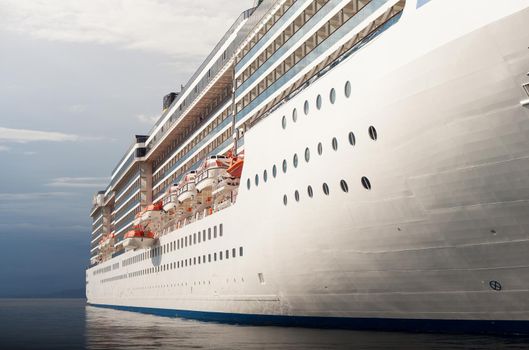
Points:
point(235, 169)
point(138, 238)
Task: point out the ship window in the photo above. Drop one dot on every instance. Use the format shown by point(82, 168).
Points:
point(199, 260)
point(209, 257)
point(307, 154)
point(274, 171)
point(209, 234)
point(240, 251)
point(233, 253)
point(248, 183)
point(285, 199)
point(309, 191)
point(185, 241)
point(344, 186)
point(220, 255)
point(332, 95)
point(318, 102)
point(256, 180)
point(220, 230)
point(284, 122)
point(352, 138)
point(194, 238)
point(227, 254)
point(295, 160)
point(296, 195)
point(306, 107)
point(194, 261)
point(284, 165)
point(334, 144)
point(320, 148)
point(214, 233)
point(347, 89)
point(265, 176)
point(199, 236)
point(294, 115)
point(373, 133)
point(366, 183)
point(325, 188)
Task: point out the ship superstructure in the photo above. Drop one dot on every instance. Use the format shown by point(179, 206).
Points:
point(333, 163)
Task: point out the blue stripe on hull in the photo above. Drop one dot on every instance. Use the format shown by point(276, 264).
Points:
point(376, 324)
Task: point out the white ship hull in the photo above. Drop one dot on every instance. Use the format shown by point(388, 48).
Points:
point(446, 218)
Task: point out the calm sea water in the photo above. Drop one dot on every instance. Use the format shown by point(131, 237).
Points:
point(70, 324)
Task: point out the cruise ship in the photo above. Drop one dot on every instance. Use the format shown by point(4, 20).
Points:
point(353, 164)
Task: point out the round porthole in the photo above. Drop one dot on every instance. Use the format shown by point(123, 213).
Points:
point(332, 95)
point(265, 176)
point(307, 154)
point(285, 199)
point(320, 148)
point(274, 171)
point(334, 144)
point(318, 102)
point(343, 186)
point(294, 115)
point(352, 138)
point(296, 195)
point(309, 191)
point(284, 165)
point(284, 122)
point(347, 89)
point(306, 107)
point(248, 183)
point(373, 133)
point(325, 189)
point(295, 160)
point(366, 183)
point(256, 180)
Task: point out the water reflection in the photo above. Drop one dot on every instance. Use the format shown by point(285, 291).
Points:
point(112, 329)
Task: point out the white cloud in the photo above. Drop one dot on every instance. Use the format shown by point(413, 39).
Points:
point(99, 182)
point(147, 119)
point(32, 196)
point(25, 135)
point(174, 27)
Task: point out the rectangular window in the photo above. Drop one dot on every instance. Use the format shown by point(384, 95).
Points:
point(204, 258)
point(199, 260)
point(227, 254)
point(178, 244)
point(220, 255)
point(214, 233)
point(194, 261)
point(233, 252)
point(185, 241)
point(178, 264)
point(199, 235)
point(204, 236)
point(209, 234)
point(220, 230)
point(240, 251)
point(209, 257)
point(194, 238)
point(214, 256)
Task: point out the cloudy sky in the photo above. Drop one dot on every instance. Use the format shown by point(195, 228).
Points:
point(78, 79)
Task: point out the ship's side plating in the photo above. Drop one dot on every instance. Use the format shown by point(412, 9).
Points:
point(426, 220)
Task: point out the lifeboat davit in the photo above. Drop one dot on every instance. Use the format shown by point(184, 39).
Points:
point(210, 170)
point(186, 189)
point(138, 238)
point(170, 201)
